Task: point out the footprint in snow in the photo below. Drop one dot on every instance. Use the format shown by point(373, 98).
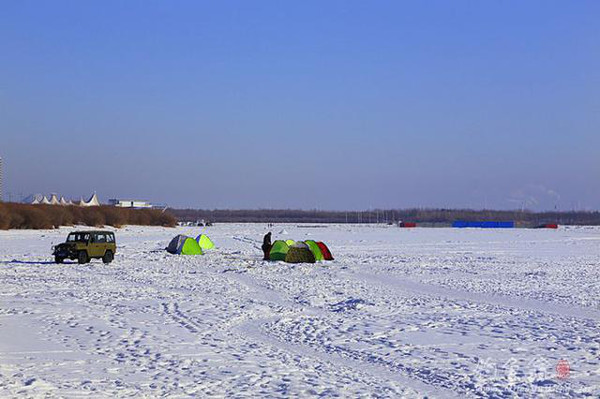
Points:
point(349, 304)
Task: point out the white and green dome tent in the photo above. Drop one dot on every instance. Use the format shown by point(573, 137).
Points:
point(205, 242)
point(184, 245)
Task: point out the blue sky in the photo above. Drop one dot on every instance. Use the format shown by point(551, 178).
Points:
point(311, 104)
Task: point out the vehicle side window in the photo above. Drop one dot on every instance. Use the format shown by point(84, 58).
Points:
point(101, 238)
point(86, 238)
point(110, 238)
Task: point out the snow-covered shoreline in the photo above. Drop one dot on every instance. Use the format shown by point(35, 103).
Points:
point(400, 312)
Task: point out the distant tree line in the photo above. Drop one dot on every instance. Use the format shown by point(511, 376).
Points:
point(424, 217)
point(25, 216)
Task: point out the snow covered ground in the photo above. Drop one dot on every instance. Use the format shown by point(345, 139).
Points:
point(399, 313)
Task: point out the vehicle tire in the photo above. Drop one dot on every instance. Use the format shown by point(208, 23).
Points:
point(82, 257)
point(108, 257)
point(58, 259)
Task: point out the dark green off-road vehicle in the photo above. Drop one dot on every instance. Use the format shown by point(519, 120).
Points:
point(86, 245)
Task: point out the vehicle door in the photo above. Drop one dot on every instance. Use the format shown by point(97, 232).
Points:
point(110, 242)
point(94, 246)
point(102, 244)
point(83, 242)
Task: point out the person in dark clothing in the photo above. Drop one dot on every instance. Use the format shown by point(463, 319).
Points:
point(266, 247)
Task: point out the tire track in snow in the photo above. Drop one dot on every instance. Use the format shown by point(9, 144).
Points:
point(420, 288)
point(172, 311)
point(254, 330)
point(247, 240)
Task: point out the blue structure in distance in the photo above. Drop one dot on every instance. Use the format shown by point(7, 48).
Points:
point(483, 224)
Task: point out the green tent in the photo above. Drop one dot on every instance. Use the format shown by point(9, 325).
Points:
point(183, 245)
point(290, 242)
point(205, 242)
point(278, 250)
point(314, 248)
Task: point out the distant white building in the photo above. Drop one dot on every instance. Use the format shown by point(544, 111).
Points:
point(129, 203)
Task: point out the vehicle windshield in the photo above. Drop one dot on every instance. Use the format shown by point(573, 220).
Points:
point(78, 237)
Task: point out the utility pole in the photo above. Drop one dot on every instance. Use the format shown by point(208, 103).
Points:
point(1, 192)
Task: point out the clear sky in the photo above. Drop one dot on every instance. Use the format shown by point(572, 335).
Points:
point(304, 104)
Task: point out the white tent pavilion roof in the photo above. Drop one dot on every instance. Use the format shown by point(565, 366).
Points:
point(54, 200)
point(93, 201)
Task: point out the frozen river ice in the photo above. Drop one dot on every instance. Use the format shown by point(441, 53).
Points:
point(399, 313)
